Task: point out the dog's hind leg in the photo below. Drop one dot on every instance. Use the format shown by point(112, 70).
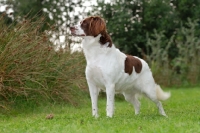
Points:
point(133, 98)
point(151, 94)
point(159, 105)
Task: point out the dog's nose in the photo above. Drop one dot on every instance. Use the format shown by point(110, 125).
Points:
point(72, 28)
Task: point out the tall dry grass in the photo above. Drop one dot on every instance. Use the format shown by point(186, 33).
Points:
point(31, 69)
point(183, 68)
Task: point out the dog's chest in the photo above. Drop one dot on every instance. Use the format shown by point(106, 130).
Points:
point(96, 74)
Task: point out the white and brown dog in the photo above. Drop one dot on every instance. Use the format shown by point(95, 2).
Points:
point(113, 71)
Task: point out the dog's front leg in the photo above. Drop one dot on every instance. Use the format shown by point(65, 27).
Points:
point(110, 93)
point(94, 92)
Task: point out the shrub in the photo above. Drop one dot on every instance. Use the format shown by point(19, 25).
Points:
point(31, 69)
point(181, 69)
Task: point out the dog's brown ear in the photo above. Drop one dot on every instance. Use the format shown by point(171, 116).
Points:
point(97, 25)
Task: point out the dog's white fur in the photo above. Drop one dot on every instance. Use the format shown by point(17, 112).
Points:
point(105, 70)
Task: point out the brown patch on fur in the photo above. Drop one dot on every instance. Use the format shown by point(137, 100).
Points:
point(93, 26)
point(131, 62)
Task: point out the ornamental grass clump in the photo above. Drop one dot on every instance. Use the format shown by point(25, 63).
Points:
point(31, 69)
point(175, 61)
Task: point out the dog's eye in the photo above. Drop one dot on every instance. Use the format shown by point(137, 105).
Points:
point(84, 22)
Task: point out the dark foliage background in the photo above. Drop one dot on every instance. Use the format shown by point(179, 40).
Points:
point(129, 21)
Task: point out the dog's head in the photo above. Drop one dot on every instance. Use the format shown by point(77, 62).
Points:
point(92, 26)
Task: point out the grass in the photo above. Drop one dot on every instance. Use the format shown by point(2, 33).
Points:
point(182, 109)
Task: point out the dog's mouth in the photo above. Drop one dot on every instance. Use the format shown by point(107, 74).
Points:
point(73, 32)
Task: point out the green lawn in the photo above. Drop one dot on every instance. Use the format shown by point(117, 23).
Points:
point(183, 110)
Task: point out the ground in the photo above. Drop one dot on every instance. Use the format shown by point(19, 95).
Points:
point(183, 110)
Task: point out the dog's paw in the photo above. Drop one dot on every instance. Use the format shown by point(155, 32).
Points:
point(165, 115)
point(96, 116)
point(137, 113)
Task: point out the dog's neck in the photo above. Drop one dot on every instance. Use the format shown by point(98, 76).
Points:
point(90, 42)
point(93, 49)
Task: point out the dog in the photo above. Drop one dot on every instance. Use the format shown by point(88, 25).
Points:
point(110, 70)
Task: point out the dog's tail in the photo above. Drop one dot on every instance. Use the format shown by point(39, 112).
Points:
point(161, 95)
